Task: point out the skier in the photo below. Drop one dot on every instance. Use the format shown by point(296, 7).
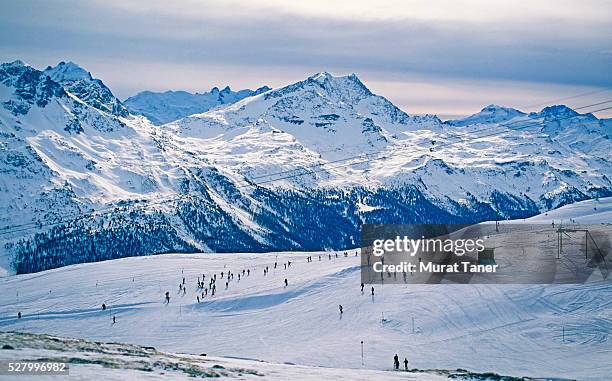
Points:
point(372, 290)
point(114, 320)
point(286, 282)
point(289, 264)
point(396, 362)
point(19, 315)
point(406, 364)
point(275, 263)
point(248, 272)
point(340, 307)
point(103, 307)
point(362, 287)
point(198, 299)
point(285, 266)
point(168, 297)
point(183, 280)
point(184, 290)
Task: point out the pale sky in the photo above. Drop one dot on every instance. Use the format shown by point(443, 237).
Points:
point(443, 57)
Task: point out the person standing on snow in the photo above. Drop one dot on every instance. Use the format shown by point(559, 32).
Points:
point(406, 364)
point(396, 362)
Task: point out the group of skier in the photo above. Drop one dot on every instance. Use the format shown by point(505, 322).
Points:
point(363, 285)
point(229, 276)
point(396, 363)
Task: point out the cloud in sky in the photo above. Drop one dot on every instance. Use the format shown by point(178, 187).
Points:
point(514, 51)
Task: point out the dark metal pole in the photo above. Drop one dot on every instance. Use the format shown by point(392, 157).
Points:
point(361, 352)
point(586, 244)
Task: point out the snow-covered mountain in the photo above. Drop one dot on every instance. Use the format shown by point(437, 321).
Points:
point(489, 114)
point(169, 106)
point(80, 83)
point(267, 172)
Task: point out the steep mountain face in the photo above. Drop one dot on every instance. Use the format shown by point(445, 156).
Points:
point(268, 172)
point(88, 89)
point(169, 106)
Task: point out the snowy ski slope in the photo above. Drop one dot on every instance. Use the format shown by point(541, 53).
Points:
point(584, 212)
point(511, 329)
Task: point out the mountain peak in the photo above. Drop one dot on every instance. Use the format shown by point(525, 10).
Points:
point(263, 89)
point(489, 114)
point(324, 78)
point(557, 110)
point(16, 63)
point(321, 77)
point(346, 88)
point(31, 87)
point(161, 108)
point(67, 71)
point(82, 84)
